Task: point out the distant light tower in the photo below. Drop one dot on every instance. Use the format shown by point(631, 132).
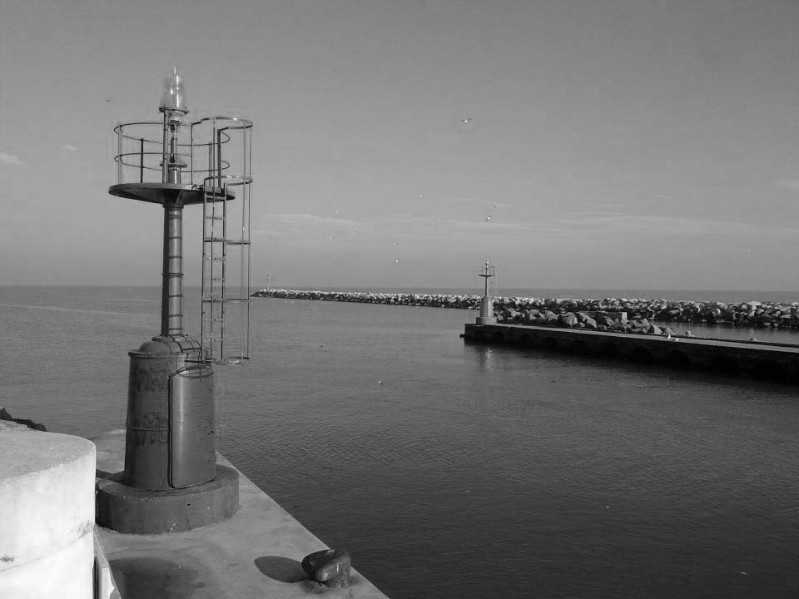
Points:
point(486, 303)
point(171, 480)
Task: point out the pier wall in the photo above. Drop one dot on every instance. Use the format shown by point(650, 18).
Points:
point(762, 360)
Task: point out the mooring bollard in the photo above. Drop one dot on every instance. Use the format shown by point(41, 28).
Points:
point(328, 568)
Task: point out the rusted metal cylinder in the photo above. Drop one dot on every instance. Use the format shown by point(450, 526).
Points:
point(170, 424)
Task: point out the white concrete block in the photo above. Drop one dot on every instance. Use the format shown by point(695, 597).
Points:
point(64, 574)
point(46, 515)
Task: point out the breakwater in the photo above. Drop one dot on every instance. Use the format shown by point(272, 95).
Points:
point(431, 300)
point(612, 314)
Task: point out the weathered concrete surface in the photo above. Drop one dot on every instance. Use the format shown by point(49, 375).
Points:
point(139, 511)
point(105, 586)
point(46, 515)
point(256, 553)
point(764, 360)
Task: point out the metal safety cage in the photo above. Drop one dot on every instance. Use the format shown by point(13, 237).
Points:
point(142, 150)
point(226, 164)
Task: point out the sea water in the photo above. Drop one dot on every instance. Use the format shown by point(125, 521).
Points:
point(456, 470)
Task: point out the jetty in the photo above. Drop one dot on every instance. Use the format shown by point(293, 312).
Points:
point(772, 361)
point(255, 553)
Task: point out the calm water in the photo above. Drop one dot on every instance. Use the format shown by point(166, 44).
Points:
point(458, 471)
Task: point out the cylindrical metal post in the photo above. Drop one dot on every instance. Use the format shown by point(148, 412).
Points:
point(119, 158)
point(172, 278)
point(165, 151)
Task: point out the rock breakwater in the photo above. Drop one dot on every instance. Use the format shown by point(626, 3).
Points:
point(622, 314)
point(432, 300)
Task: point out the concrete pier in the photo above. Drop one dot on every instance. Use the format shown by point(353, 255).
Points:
point(731, 357)
point(255, 553)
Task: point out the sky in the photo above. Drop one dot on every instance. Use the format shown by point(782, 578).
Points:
point(631, 144)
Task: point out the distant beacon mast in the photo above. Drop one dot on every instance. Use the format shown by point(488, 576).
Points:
point(171, 480)
point(486, 303)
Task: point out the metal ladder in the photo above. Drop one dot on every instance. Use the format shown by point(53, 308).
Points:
point(224, 328)
point(212, 326)
point(226, 185)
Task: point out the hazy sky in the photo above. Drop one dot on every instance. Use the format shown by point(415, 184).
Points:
point(578, 143)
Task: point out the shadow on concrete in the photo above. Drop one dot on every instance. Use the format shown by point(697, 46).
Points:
point(282, 569)
point(146, 578)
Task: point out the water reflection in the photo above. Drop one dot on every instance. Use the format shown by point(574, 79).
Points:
point(488, 357)
point(485, 358)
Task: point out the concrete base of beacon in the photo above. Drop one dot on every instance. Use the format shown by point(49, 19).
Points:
point(129, 510)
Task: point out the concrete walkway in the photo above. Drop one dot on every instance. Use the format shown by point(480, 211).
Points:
point(254, 554)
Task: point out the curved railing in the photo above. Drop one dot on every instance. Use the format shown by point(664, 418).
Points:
point(140, 150)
